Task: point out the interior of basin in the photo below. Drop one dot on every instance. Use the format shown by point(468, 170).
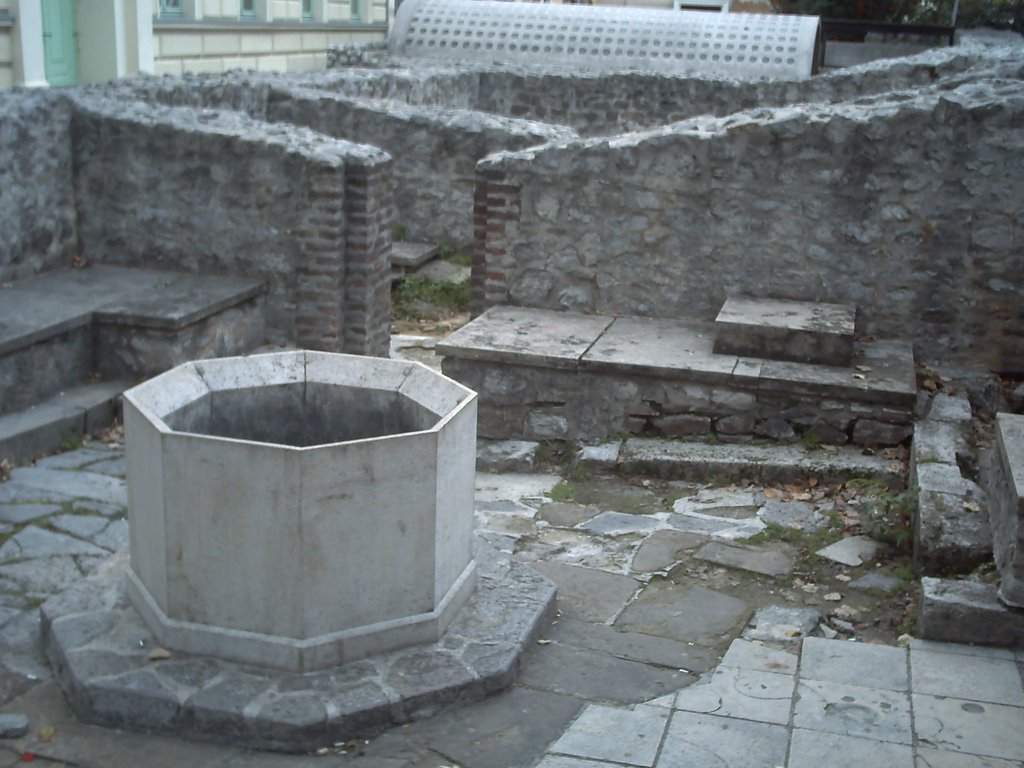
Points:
point(302, 414)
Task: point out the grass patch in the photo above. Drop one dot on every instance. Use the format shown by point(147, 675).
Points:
point(454, 256)
point(416, 298)
point(890, 519)
point(564, 491)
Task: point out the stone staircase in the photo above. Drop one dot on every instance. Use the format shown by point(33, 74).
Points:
point(72, 340)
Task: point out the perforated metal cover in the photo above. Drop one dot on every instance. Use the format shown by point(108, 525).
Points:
point(740, 45)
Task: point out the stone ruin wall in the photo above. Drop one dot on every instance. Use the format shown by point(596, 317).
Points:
point(906, 204)
point(37, 204)
point(173, 188)
point(903, 173)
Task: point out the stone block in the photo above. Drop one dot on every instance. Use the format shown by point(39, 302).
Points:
point(967, 612)
point(801, 332)
point(408, 255)
point(871, 432)
point(682, 424)
point(1006, 507)
point(950, 408)
point(951, 534)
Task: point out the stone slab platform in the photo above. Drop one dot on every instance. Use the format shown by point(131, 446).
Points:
point(1006, 508)
point(798, 331)
point(114, 673)
point(558, 375)
point(42, 306)
point(408, 255)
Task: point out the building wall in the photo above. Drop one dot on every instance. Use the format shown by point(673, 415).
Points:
point(907, 206)
point(276, 40)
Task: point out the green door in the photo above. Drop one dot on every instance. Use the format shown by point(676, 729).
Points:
point(60, 48)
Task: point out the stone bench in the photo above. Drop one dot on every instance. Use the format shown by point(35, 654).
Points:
point(559, 375)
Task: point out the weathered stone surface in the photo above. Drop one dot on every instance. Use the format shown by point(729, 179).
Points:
point(768, 561)
point(869, 432)
point(636, 646)
point(683, 612)
point(506, 455)
point(850, 550)
point(782, 623)
point(803, 332)
point(1006, 508)
point(951, 534)
point(588, 594)
point(99, 645)
point(967, 612)
point(954, 409)
point(13, 726)
point(662, 549)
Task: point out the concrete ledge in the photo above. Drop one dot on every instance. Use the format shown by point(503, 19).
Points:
point(43, 427)
point(1007, 506)
point(967, 612)
point(101, 651)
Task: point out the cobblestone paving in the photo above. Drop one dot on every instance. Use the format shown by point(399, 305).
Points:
point(654, 587)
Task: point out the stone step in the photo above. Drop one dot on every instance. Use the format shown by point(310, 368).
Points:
point(407, 255)
point(546, 375)
point(1006, 506)
point(59, 328)
point(797, 331)
point(967, 612)
point(701, 462)
point(44, 427)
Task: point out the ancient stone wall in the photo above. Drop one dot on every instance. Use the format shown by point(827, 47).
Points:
point(908, 206)
point(435, 151)
point(220, 193)
point(37, 210)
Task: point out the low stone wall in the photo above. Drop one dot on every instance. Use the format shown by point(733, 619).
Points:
point(907, 206)
point(37, 206)
point(435, 151)
point(220, 193)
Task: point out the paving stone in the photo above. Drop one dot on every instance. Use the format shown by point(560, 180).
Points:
point(967, 677)
point(116, 467)
point(597, 676)
point(82, 526)
point(613, 494)
point(506, 455)
point(498, 732)
point(851, 550)
point(566, 515)
point(659, 550)
point(853, 710)
point(114, 536)
point(782, 623)
point(699, 741)
point(564, 761)
point(813, 749)
point(14, 493)
point(23, 513)
point(744, 693)
point(33, 542)
point(724, 528)
point(937, 758)
point(768, 561)
point(634, 646)
point(758, 656)
point(622, 735)
point(972, 727)
point(792, 514)
point(577, 549)
point(876, 580)
point(621, 524)
point(864, 664)
point(88, 506)
point(587, 594)
point(684, 612)
point(527, 490)
point(111, 490)
point(720, 502)
point(78, 458)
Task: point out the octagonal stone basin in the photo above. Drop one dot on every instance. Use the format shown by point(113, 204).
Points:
point(300, 510)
